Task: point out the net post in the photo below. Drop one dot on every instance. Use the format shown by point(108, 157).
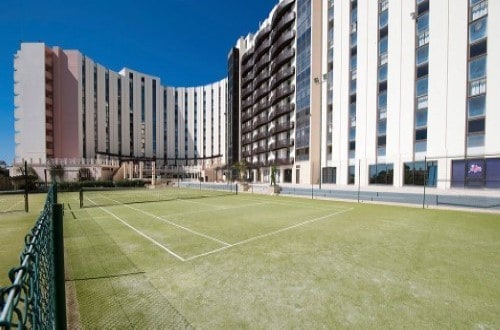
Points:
point(26, 204)
point(236, 189)
point(81, 197)
point(425, 179)
point(59, 287)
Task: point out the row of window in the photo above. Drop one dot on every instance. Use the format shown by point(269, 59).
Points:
point(476, 101)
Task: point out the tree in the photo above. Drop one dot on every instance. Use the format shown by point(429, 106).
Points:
point(273, 175)
point(242, 169)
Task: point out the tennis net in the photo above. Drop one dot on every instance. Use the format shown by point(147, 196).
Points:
point(12, 200)
point(99, 197)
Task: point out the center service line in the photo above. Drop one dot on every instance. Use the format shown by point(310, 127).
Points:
point(268, 234)
point(141, 233)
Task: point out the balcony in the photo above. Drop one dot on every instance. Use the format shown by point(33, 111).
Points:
point(282, 92)
point(282, 42)
point(247, 103)
point(263, 47)
point(247, 56)
point(284, 143)
point(282, 57)
point(246, 153)
point(260, 92)
point(282, 24)
point(247, 67)
point(264, 75)
point(477, 87)
point(247, 91)
point(282, 161)
point(247, 79)
point(246, 115)
point(284, 73)
point(279, 110)
point(261, 135)
point(261, 37)
point(281, 9)
point(281, 127)
point(260, 121)
point(246, 128)
point(261, 106)
point(262, 62)
point(260, 149)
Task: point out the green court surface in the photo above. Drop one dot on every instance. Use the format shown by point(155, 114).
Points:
point(256, 261)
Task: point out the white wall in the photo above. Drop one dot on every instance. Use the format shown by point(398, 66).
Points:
point(29, 102)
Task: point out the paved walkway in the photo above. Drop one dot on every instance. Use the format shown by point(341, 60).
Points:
point(458, 198)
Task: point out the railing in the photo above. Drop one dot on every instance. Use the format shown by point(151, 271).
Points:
point(36, 297)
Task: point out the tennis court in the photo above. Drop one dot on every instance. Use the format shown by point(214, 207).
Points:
point(223, 260)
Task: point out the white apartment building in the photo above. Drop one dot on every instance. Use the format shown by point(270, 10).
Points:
point(71, 110)
point(384, 92)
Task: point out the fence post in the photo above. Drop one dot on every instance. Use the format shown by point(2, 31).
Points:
point(26, 203)
point(59, 287)
point(425, 179)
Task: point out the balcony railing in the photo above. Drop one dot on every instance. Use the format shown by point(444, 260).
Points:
point(283, 23)
point(479, 10)
point(282, 42)
point(423, 38)
point(282, 161)
point(282, 92)
point(477, 87)
point(282, 57)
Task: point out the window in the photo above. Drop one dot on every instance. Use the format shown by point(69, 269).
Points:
point(477, 106)
point(477, 68)
point(421, 118)
point(416, 173)
point(382, 73)
point(383, 19)
point(382, 100)
point(423, 23)
point(352, 174)
point(476, 125)
point(381, 173)
point(421, 134)
point(382, 127)
point(422, 86)
point(422, 55)
point(478, 30)
point(382, 46)
point(354, 62)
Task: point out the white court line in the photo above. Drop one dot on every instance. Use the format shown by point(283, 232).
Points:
point(218, 209)
point(14, 205)
point(141, 233)
point(179, 226)
point(268, 234)
point(298, 204)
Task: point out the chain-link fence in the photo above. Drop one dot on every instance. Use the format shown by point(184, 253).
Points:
point(36, 298)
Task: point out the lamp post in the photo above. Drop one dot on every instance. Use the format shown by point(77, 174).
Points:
point(319, 81)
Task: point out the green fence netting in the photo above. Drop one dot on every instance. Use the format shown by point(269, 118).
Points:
point(33, 300)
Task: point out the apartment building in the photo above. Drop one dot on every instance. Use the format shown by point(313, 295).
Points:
point(383, 92)
point(327, 92)
point(70, 109)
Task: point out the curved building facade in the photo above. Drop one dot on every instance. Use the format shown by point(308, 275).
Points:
point(90, 112)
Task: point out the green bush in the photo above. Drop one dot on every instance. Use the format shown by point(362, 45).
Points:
point(75, 186)
point(130, 183)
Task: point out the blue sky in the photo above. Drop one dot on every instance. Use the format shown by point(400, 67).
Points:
point(184, 42)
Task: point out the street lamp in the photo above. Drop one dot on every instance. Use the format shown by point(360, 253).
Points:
point(319, 81)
